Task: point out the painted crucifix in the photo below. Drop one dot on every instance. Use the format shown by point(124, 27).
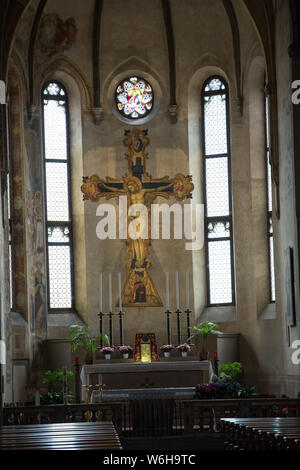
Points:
point(140, 188)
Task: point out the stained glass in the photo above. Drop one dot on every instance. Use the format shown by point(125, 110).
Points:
point(134, 97)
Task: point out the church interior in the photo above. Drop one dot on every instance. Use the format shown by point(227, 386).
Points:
point(188, 106)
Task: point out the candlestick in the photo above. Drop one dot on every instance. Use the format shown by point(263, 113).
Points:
point(178, 326)
point(110, 291)
point(111, 339)
point(167, 292)
point(168, 326)
point(100, 292)
point(187, 290)
point(188, 324)
point(120, 291)
point(177, 290)
point(121, 328)
point(101, 328)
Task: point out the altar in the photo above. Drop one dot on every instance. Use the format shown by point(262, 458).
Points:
point(133, 375)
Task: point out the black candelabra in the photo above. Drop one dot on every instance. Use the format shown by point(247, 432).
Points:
point(110, 316)
point(178, 313)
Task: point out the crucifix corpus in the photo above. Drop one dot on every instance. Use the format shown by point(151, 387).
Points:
point(140, 188)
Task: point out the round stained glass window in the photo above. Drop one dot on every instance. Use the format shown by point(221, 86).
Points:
point(134, 98)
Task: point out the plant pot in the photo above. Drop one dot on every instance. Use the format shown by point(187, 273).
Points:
point(107, 356)
point(204, 355)
point(166, 353)
point(184, 353)
point(125, 355)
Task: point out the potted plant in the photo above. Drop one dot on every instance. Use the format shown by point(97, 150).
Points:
point(184, 348)
point(166, 349)
point(107, 351)
point(54, 381)
point(125, 350)
point(81, 337)
point(231, 369)
point(205, 329)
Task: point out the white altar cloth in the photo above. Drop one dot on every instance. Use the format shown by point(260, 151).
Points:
point(133, 367)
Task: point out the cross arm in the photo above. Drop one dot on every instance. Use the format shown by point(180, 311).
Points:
point(93, 188)
point(180, 187)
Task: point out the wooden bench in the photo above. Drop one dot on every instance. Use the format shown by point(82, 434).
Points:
point(261, 433)
point(62, 436)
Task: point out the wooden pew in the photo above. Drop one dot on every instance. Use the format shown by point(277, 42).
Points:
point(261, 433)
point(63, 436)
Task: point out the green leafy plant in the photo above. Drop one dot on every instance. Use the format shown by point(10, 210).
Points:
point(81, 337)
point(205, 329)
point(231, 368)
point(54, 380)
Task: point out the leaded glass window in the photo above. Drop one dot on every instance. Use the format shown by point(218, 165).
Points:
point(134, 98)
point(269, 207)
point(10, 261)
point(217, 193)
point(57, 196)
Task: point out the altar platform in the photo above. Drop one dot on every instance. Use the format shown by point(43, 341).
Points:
point(136, 375)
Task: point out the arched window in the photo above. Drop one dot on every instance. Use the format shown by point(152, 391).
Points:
point(57, 197)
point(269, 206)
point(10, 254)
point(217, 193)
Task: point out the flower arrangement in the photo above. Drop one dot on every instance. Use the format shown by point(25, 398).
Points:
point(222, 390)
point(166, 347)
point(223, 386)
point(125, 349)
point(183, 347)
point(107, 350)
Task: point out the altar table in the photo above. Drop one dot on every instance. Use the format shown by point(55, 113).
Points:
point(185, 373)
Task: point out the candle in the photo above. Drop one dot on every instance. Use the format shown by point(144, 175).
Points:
point(110, 291)
point(120, 292)
point(101, 292)
point(167, 292)
point(177, 290)
point(187, 290)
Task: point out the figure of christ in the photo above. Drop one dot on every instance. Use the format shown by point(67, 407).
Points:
point(132, 187)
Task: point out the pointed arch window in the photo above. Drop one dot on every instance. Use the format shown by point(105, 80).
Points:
point(269, 206)
point(217, 193)
point(57, 196)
